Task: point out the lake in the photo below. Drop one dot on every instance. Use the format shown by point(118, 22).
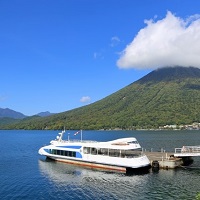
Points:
point(24, 174)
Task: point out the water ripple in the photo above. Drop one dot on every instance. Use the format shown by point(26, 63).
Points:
point(23, 175)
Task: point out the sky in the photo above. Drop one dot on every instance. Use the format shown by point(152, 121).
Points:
point(59, 55)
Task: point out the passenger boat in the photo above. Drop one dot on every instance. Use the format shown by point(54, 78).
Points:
point(122, 155)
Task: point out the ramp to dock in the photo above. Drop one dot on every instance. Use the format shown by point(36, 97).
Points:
point(187, 151)
point(181, 156)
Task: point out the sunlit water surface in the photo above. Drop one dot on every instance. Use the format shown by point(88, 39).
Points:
point(24, 174)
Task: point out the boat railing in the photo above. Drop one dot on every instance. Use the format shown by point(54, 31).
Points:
point(77, 141)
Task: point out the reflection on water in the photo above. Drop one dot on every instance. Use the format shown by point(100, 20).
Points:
point(95, 183)
point(83, 183)
point(23, 175)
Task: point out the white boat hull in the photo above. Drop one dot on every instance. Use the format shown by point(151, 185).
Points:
point(117, 155)
point(102, 162)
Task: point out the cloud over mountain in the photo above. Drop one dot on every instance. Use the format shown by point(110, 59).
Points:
point(170, 41)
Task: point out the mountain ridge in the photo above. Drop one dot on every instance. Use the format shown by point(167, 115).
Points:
point(9, 113)
point(170, 73)
point(150, 102)
point(45, 114)
point(6, 112)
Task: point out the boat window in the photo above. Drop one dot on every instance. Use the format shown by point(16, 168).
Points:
point(132, 153)
point(58, 152)
point(53, 151)
point(66, 153)
point(103, 151)
point(93, 151)
point(123, 153)
point(70, 154)
point(133, 142)
point(86, 150)
point(63, 153)
point(114, 152)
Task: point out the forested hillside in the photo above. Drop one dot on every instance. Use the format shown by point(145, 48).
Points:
point(164, 96)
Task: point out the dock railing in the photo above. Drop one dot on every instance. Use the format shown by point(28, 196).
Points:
point(188, 149)
point(160, 155)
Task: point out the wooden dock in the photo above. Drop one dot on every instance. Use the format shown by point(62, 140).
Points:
point(165, 160)
point(171, 160)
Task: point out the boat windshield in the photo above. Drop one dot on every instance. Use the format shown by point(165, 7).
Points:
point(133, 142)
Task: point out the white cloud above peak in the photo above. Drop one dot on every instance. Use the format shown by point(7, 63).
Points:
point(170, 41)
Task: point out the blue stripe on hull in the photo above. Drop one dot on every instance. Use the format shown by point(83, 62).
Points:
point(78, 155)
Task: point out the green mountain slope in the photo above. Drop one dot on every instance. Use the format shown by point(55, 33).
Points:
point(164, 96)
point(7, 120)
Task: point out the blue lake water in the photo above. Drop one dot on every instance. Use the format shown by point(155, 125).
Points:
point(24, 174)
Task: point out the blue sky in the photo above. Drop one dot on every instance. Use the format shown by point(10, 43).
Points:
point(59, 55)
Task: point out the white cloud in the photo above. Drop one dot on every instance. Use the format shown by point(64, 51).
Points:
point(114, 41)
point(97, 55)
point(168, 42)
point(85, 99)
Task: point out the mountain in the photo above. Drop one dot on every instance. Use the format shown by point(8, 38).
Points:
point(7, 120)
point(45, 114)
point(171, 74)
point(6, 112)
point(165, 96)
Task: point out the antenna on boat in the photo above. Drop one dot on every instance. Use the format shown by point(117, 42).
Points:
point(79, 132)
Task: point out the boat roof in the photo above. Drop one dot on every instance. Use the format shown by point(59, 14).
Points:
point(129, 139)
point(122, 143)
